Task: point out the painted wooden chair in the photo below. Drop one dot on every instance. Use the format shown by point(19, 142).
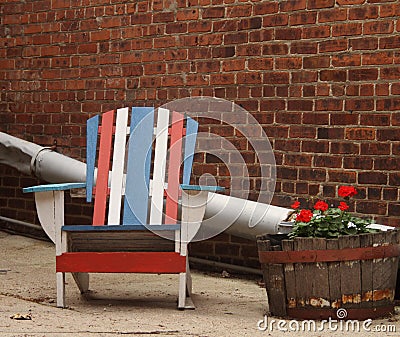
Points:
point(142, 232)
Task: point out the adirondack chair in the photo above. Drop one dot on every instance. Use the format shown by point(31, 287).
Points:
point(138, 236)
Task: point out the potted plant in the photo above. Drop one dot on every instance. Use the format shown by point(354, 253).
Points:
point(333, 262)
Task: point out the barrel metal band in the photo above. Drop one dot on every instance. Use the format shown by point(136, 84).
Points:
point(329, 255)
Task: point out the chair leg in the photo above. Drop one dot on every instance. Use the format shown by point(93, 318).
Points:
point(82, 281)
point(188, 280)
point(182, 291)
point(185, 285)
point(61, 290)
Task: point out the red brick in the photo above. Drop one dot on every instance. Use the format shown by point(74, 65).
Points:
point(176, 28)
point(388, 104)
point(332, 15)
point(304, 76)
point(378, 58)
point(333, 75)
point(315, 146)
point(371, 207)
point(342, 177)
point(315, 32)
point(329, 104)
point(222, 79)
point(292, 5)
point(199, 26)
point(363, 13)
point(386, 134)
point(378, 27)
point(261, 35)
point(249, 78)
point(347, 29)
point(287, 63)
point(314, 62)
point(100, 35)
point(223, 52)
point(272, 105)
point(275, 49)
point(268, 7)
point(311, 4)
point(360, 163)
point(213, 12)
point(303, 18)
point(276, 77)
point(391, 73)
point(235, 38)
point(387, 164)
point(297, 131)
point(288, 34)
point(164, 42)
point(297, 160)
point(373, 178)
point(275, 20)
point(366, 74)
point(391, 42)
point(333, 45)
point(346, 60)
point(233, 65)
point(360, 105)
point(252, 23)
point(364, 43)
point(360, 133)
point(260, 64)
point(162, 17)
point(303, 47)
point(186, 15)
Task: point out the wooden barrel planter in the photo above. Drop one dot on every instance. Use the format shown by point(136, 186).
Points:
point(311, 278)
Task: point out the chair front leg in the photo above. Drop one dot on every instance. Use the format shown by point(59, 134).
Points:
point(193, 208)
point(61, 243)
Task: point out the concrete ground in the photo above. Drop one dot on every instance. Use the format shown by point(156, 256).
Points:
point(136, 305)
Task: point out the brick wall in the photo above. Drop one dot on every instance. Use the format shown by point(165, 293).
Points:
point(321, 76)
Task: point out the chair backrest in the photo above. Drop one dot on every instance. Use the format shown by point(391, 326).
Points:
point(130, 152)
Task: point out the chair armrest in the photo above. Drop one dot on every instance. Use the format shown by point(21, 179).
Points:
point(53, 187)
point(187, 187)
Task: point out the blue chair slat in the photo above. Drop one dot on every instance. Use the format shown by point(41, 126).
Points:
point(138, 167)
point(190, 143)
point(92, 127)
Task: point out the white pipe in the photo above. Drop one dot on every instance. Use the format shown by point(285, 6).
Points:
point(239, 217)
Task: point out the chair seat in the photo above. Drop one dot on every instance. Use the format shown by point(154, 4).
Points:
point(117, 241)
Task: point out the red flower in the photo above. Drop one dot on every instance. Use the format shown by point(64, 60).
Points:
point(305, 215)
point(321, 205)
point(295, 205)
point(347, 191)
point(343, 206)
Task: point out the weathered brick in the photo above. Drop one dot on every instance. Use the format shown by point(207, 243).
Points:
point(342, 177)
point(213, 12)
point(391, 42)
point(333, 45)
point(366, 74)
point(347, 29)
point(315, 62)
point(363, 13)
point(312, 4)
point(360, 133)
point(302, 18)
